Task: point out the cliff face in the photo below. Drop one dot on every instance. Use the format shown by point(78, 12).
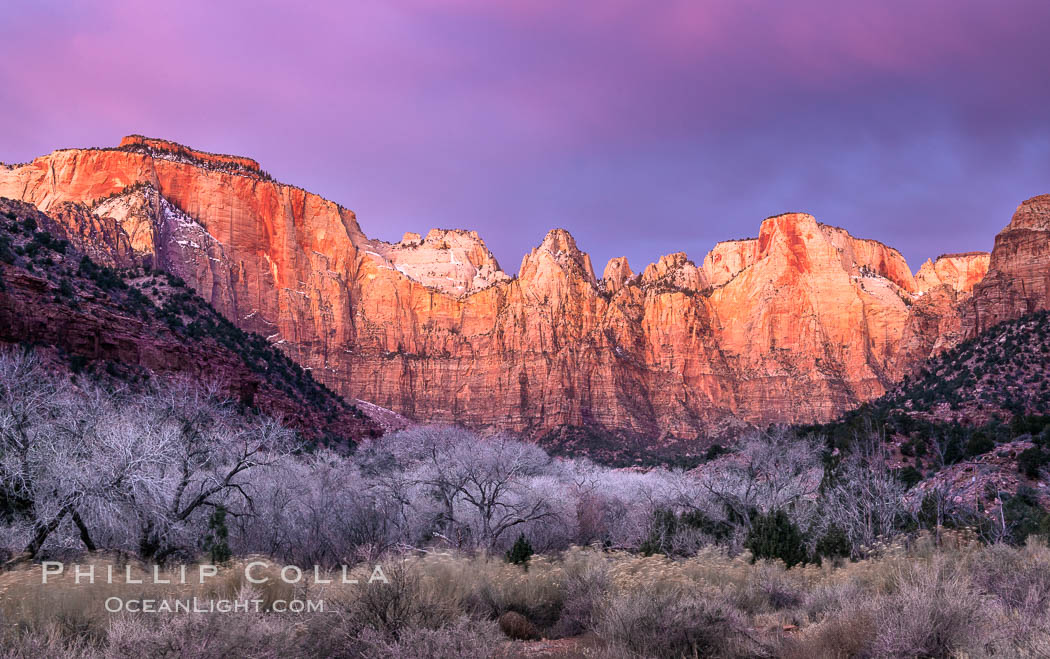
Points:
point(727, 259)
point(961, 272)
point(82, 316)
point(1018, 279)
point(807, 310)
point(452, 261)
point(795, 325)
point(617, 274)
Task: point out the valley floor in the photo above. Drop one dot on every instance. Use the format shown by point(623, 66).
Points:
point(932, 595)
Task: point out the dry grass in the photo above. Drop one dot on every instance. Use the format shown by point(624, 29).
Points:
point(947, 597)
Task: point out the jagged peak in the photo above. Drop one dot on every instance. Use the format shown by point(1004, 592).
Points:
point(561, 246)
point(871, 257)
point(879, 243)
point(441, 234)
point(1033, 213)
point(785, 230)
point(727, 259)
point(677, 259)
point(737, 241)
point(807, 244)
point(961, 271)
point(618, 266)
point(784, 224)
point(786, 214)
point(442, 239)
point(616, 274)
point(559, 240)
point(454, 261)
point(1038, 199)
point(675, 270)
point(666, 264)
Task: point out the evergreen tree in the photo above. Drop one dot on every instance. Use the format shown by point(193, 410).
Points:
point(216, 542)
point(834, 543)
point(774, 535)
point(521, 552)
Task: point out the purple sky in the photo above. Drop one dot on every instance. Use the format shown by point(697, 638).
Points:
point(643, 127)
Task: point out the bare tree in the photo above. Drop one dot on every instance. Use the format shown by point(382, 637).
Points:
point(773, 470)
point(51, 437)
point(479, 485)
point(862, 497)
point(106, 462)
point(495, 481)
point(208, 453)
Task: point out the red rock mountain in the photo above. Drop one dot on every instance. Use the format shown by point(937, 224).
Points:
point(959, 271)
point(135, 324)
point(798, 324)
point(1018, 279)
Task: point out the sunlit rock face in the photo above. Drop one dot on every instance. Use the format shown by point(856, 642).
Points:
point(959, 271)
point(798, 324)
point(727, 259)
point(452, 261)
point(105, 328)
point(1018, 278)
point(616, 275)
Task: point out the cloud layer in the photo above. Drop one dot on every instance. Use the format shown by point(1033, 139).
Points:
point(642, 127)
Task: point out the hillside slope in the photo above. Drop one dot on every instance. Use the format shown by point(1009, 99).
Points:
point(974, 421)
point(131, 323)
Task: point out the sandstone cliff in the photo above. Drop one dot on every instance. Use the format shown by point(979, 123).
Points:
point(452, 261)
point(616, 275)
point(959, 271)
point(795, 325)
point(1018, 279)
point(133, 325)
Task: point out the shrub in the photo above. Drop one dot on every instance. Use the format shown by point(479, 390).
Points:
point(586, 584)
point(409, 599)
point(714, 451)
point(205, 636)
point(1024, 516)
point(681, 534)
point(834, 543)
point(216, 542)
point(848, 633)
point(6, 254)
point(465, 638)
point(936, 612)
point(657, 621)
point(65, 289)
point(977, 444)
point(521, 552)
point(775, 536)
point(516, 626)
point(1030, 461)
point(106, 278)
point(910, 476)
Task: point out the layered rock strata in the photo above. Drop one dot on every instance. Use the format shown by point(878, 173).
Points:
point(798, 324)
point(1018, 278)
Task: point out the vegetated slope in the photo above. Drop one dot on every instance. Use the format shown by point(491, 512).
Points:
point(130, 323)
point(1001, 373)
point(976, 418)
